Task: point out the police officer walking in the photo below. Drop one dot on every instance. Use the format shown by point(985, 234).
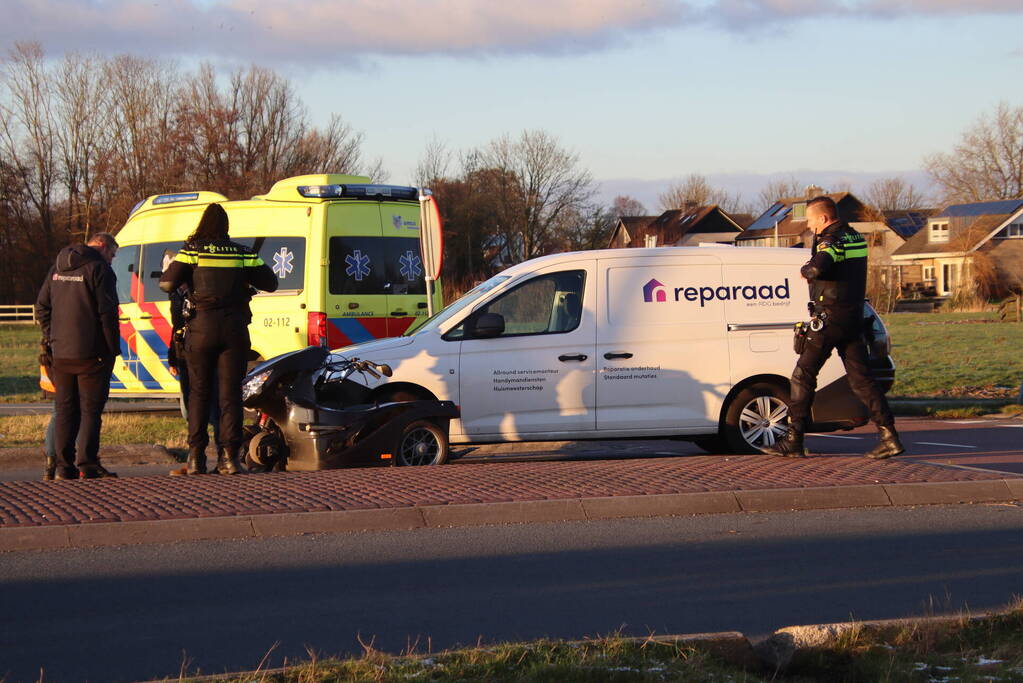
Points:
point(77, 309)
point(837, 274)
point(220, 274)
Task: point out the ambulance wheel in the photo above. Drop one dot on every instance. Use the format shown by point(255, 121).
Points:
point(421, 443)
point(266, 453)
point(757, 416)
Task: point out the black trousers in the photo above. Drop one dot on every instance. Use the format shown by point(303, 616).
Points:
point(844, 337)
point(216, 350)
point(82, 387)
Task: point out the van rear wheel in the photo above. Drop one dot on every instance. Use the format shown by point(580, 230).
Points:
point(757, 417)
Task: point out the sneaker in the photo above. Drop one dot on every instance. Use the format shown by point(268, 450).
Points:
point(95, 472)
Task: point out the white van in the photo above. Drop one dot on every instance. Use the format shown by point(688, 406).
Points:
point(688, 342)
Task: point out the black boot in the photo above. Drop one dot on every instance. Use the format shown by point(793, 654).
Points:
point(196, 461)
point(51, 468)
point(789, 446)
point(227, 461)
point(888, 444)
point(94, 471)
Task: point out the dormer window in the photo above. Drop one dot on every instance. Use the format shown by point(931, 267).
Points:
point(799, 211)
point(1010, 231)
point(650, 241)
point(938, 231)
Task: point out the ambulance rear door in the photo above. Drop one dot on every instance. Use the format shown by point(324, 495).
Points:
point(356, 282)
point(403, 266)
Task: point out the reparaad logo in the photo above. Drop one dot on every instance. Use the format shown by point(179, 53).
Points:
point(654, 291)
point(760, 294)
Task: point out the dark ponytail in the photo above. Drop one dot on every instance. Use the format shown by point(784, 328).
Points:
point(212, 226)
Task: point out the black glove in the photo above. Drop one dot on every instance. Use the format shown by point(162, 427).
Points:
point(45, 354)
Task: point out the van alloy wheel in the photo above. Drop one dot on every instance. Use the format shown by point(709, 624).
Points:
point(757, 416)
point(763, 421)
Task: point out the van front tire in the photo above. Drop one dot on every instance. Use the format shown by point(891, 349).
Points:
point(757, 416)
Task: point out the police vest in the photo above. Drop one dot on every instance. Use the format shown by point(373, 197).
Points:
point(844, 282)
point(219, 280)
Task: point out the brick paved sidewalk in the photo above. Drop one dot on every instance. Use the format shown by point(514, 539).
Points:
point(35, 504)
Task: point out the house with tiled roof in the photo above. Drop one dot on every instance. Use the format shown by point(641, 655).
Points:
point(943, 255)
point(684, 227)
point(784, 222)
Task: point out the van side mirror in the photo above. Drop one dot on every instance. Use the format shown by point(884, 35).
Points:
point(488, 326)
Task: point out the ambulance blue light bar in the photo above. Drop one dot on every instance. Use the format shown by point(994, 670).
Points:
point(377, 192)
point(172, 198)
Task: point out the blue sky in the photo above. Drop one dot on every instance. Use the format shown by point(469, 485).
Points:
point(645, 91)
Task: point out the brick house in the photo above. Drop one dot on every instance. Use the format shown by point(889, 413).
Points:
point(789, 213)
point(959, 242)
point(684, 227)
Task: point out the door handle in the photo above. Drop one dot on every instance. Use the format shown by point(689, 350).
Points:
point(421, 304)
point(398, 313)
point(573, 356)
point(612, 356)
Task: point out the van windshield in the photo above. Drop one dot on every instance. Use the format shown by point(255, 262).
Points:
point(459, 304)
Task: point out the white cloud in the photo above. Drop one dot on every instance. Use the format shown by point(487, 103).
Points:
point(331, 29)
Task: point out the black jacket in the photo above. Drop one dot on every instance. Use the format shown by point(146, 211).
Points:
point(219, 274)
point(837, 271)
point(77, 306)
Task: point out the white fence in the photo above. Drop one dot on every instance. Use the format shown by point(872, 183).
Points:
point(17, 314)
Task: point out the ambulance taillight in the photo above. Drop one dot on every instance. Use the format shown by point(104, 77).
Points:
point(317, 329)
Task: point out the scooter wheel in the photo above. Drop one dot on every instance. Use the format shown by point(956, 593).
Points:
point(265, 452)
point(421, 443)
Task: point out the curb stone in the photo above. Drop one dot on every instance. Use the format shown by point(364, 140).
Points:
point(108, 533)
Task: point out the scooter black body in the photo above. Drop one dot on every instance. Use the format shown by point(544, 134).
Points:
point(313, 416)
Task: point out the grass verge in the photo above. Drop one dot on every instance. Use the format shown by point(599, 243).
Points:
point(19, 363)
point(955, 355)
point(19, 431)
point(962, 650)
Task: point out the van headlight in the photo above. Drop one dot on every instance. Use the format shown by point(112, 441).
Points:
point(252, 385)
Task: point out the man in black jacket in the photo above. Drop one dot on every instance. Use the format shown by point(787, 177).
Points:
point(837, 275)
point(77, 309)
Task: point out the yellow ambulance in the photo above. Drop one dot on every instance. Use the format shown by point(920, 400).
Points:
point(345, 251)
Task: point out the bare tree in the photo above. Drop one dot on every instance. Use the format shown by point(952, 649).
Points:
point(893, 194)
point(82, 136)
point(539, 186)
point(778, 189)
point(695, 190)
point(433, 164)
point(623, 206)
point(27, 133)
point(987, 163)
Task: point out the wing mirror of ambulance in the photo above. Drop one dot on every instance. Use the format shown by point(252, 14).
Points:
point(487, 326)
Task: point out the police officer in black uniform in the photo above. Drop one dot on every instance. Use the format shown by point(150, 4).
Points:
point(837, 274)
point(220, 274)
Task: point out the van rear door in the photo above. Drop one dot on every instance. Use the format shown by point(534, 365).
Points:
point(406, 284)
point(661, 348)
point(357, 274)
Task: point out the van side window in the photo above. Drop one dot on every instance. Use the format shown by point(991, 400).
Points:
point(125, 266)
point(548, 304)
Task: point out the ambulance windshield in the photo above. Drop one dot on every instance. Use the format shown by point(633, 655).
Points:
point(459, 304)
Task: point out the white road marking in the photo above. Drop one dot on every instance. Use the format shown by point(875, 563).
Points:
point(836, 436)
point(1011, 425)
point(968, 422)
point(950, 445)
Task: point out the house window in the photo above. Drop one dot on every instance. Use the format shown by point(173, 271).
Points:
point(876, 239)
point(1012, 230)
point(650, 241)
point(928, 273)
point(799, 211)
point(938, 232)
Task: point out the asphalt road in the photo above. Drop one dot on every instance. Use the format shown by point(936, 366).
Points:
point(147, 611)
